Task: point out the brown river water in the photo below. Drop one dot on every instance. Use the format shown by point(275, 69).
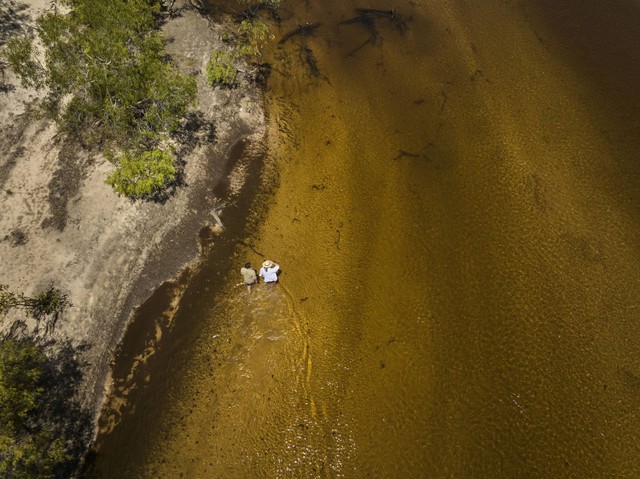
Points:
point(453, 193)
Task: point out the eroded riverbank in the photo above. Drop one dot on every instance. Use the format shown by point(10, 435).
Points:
point(63, 226)
point(456, 218)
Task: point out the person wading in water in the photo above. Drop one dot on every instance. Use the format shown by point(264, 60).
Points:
point(249, 276)
point(269, 272)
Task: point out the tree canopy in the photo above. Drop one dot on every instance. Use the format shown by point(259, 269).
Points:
point(109, 80)
point(43, 428)
point(29, 448)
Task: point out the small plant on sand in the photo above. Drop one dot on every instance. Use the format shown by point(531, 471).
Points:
point(221, 69)
point(142, 174)
point(49, 303)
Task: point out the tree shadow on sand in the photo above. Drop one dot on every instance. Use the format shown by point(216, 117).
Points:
point(62, 408)
point(60, 416)
point(13, 16)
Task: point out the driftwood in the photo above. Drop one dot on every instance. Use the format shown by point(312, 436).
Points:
point(375, 12)
point(305, 30)
point(368, 17)
point(215, 213)
point(403, 153)
point(305, 53)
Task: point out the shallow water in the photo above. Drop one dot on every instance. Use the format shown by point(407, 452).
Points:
point(457, 221)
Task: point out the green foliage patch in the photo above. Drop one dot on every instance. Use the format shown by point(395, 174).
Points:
point(247, 42)
point(29, 449)
point(20, 372)
point(253, 34)
point(108, 78)
point(221, 69)
point(141, 174)
point(43, 429)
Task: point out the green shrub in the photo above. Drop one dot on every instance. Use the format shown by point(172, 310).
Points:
point(108, 77)
point(20, 370)
point(142, 174)
point(253, 34)
point(221, 69)
point(28, 447)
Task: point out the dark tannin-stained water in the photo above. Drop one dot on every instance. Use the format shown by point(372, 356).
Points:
point(457, 219)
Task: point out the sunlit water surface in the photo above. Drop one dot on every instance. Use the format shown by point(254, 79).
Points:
point(457, 222)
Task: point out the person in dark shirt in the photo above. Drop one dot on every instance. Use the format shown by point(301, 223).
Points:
point(249, 276)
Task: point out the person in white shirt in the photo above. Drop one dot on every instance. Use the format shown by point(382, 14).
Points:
point(269, 272)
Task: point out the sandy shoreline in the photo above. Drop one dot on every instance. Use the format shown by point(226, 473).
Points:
point(62, 226)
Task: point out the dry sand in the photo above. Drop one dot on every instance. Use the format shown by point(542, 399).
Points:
point(62, 226)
